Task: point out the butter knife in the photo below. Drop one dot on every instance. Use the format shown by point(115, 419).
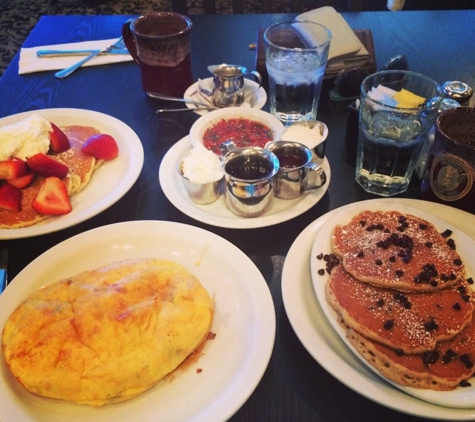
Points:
point(3, 269)
point(59, 53)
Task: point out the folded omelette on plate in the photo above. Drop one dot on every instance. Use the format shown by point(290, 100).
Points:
point(109, 334)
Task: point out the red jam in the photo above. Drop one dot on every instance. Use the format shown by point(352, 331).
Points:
point(243, 132)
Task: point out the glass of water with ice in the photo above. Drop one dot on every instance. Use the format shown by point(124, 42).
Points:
point(397, 109)
point(296, 59)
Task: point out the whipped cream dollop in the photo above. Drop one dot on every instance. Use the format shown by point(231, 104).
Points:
point(25, 138)
point(202, 166)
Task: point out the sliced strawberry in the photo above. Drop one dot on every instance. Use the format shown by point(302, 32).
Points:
point(59, 142)
point(46, 166)
point(23, 181)
point(10, 197)
point(12, 168)
point(101, 146)
point(52, 198)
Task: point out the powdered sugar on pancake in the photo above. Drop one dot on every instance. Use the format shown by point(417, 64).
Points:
point(404, 252)
point(410, 322)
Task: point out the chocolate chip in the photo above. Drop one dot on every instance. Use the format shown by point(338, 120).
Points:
point(430, 357)
point(457, 262)
point(470, 280)
point(429, 244)
point(431, 325)
point(465, 383)
point(320, 256)
point(423, 226)
point(360, 254)
point(449, 355)
point(389, 324)
point(456, 306)
point(321, 271)
point(465, 359)
point(374, 227)
point(451, 244)
point(378, 262)
point(399, 352)
point(399, 273)
point(380, 302)
point(446, 233)
point(400, 297)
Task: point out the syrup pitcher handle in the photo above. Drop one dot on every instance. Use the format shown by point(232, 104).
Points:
point(258, 79)
point(316, 177)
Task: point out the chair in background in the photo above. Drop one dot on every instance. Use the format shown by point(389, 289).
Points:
point(296, 6)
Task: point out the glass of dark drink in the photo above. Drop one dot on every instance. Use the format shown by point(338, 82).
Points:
point(449, 178)
point(160, 44)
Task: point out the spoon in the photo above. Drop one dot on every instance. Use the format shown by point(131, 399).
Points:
point(182, 100)
point(169, 110)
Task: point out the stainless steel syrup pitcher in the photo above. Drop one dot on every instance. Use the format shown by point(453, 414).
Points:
point(228, 84)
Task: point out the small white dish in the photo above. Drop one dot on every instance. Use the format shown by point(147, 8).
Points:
point(199, 128)
point(253, 99)
point(217, 214)
point(221, 380)
point(324, 344)
point(108, 184)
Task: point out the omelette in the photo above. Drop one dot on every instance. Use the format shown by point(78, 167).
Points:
point(109, 334)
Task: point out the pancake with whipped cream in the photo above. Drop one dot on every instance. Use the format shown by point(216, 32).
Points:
point(109, 334)
point(398, 251)
point(409, 321)
point(81, 168)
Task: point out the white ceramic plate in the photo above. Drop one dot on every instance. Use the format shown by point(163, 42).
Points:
point(232, 364)
point(321, 340)
point(217, 213)
point(253, 99)
point(108, 184)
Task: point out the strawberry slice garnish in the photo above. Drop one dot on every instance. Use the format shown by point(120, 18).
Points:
point(22, 181)
point(101, 146)
point(10, 197)
point(59, 142)
point(52, 198)
point(12, 168)
point(46, 166)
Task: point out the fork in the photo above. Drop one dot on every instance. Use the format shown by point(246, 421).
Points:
point(66, 72)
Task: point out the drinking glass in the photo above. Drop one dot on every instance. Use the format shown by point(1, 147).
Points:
point(159, 43)
point(397, 109)
point(296, 59)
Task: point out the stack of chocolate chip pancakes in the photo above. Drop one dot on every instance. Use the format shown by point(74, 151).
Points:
point(400, 291)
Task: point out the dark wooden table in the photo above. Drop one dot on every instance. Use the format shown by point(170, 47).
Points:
point(294, 387)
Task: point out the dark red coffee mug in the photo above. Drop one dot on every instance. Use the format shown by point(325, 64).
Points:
point(160, 44)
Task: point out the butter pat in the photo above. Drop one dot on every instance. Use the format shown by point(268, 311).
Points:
point(407, 99)
point(202, 166)
point(25, 138)
point(390, 97)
